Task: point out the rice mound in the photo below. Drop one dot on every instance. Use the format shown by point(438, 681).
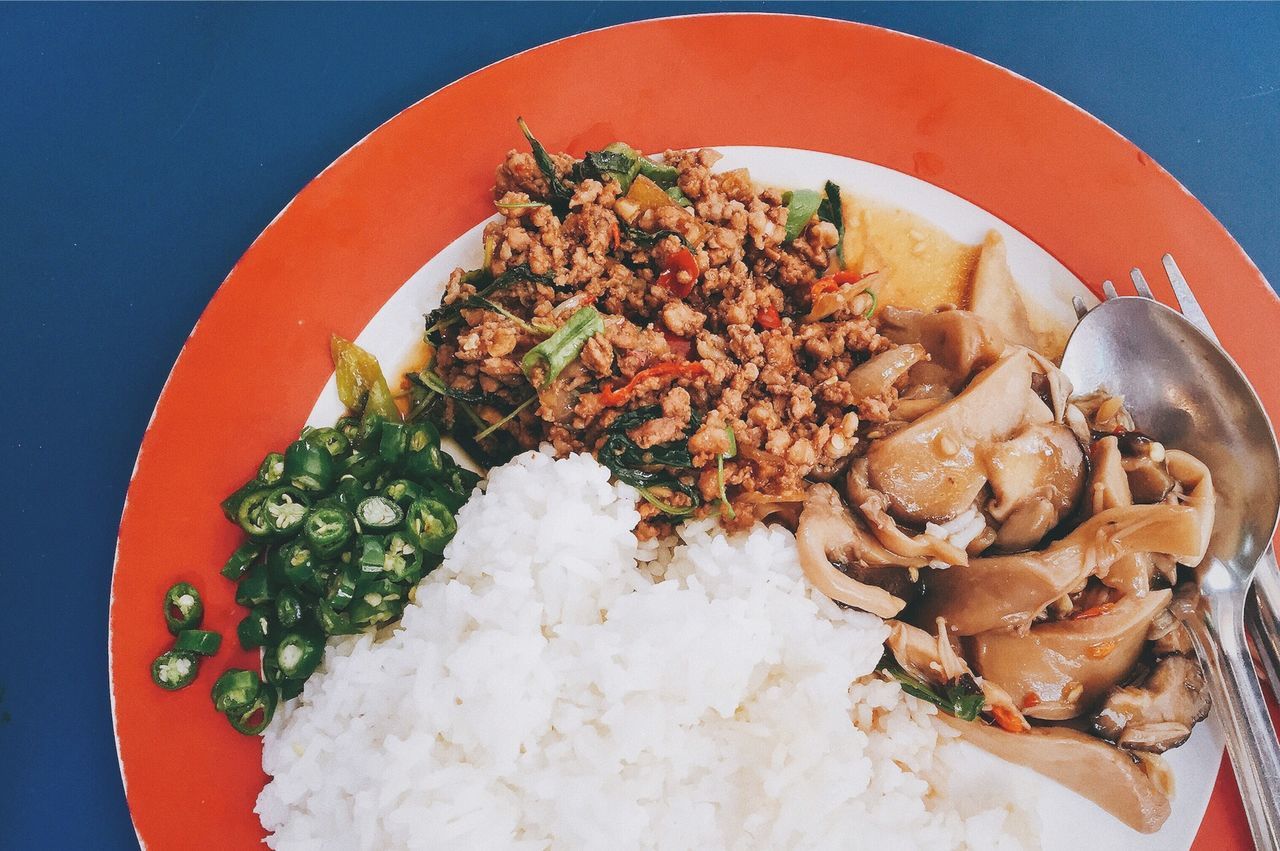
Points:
point(544, 692)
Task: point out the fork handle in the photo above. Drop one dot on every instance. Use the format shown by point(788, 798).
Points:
point(1263, 617)
point(1242, 711)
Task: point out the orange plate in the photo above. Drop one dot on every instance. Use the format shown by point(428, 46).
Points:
point(361, 228)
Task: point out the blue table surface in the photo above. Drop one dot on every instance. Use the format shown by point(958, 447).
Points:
point(143, 147)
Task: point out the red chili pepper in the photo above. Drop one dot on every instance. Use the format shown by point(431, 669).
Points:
point(1007, 719)
point(682, 261)
point(615, 234)
point(831, 283)
point(1095, 611)
point(1030, 699)
point(679, 346)
point(610, 397)
point(768, 318)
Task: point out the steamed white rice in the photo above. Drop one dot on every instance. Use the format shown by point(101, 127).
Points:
point(545, 690)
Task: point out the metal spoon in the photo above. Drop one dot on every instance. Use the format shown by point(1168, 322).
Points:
point(1185, 392)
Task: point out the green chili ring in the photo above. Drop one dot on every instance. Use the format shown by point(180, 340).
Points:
point(378, 513)
point(430, 525)
point(327, 530)
point(175, 669)
point(200, 641)
point(183, 608)
point(285, 508)
point(235, 690)
point(255, 718)
point(308, 466)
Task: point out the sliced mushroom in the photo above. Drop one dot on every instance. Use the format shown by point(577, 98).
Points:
point(996, 296)
point(1109, 488)
point(1008, 592)
point(928, 470)
point(827, 530)
point(1059, 670)
point(1158, 713)
point(874, 508)
point(1193, 477)
point(958, 342)
point(1091, 768)
point(1149, 481)
point(1036, 477)
point(882, 371)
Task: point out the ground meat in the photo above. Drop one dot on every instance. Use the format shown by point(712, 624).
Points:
point(776, 391)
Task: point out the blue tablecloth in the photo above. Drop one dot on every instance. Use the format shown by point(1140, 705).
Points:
point(143, 147)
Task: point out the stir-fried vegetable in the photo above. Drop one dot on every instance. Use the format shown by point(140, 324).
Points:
point(445, 315)
point(544, 362)
point(183, 608)
point(961, 697)
point(802, 205)
point(361, 385)
point(725, 507)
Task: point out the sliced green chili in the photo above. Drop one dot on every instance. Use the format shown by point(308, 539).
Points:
point(292, 563)
point(391, 442)
point(254, 588)
point(342, 588)
point(429, 525)
point(244, 556)
point(422, 455)
point(298, 654)
point(271, 470)
point(289, 609)
point(369, 549)
point(349, 492)
point(235, 690)
point(252, 517)
point(256, 628)
point(231, 505)
point(284, 509)
point(201, 641)
point(364, 467)
point(183, 608)
point(401, 559)
point(552, 355)
point(175, 669)
point(327, 529)
point(255, 718)
point(308, 466)
point(335, 622)
point(334, 441)
point(377, 603)
point(402, 492)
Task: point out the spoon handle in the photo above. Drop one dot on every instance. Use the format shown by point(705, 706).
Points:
point(1251, 740)
point(1263, 617)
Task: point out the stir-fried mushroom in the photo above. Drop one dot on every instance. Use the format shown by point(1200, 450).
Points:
point(882, 371)
point(930, 470)
point(1036, 478)
point(874, 508)
point(828, 531)
point(1106, 775)
point(995, 295)
point(958, 342)
point(1109, 488)
point(1060, 669)
point(1158, 713)
point(1009, 592)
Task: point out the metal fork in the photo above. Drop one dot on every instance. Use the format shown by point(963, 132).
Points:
point(1261, 617)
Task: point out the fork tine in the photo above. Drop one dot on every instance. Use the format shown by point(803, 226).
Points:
point(1140, 283)
point(1078, 304)
point(1109, 291)
point(1186, 299)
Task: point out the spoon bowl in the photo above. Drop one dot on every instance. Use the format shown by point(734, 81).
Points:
point(1184, 391)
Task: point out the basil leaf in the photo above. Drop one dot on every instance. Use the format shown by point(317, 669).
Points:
point(960, 697)
point(801, 205)
point(560, 191)
point(832, 210)
point(445, 315)
point(660, 173)
point(617, 161)
point(644, 239)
